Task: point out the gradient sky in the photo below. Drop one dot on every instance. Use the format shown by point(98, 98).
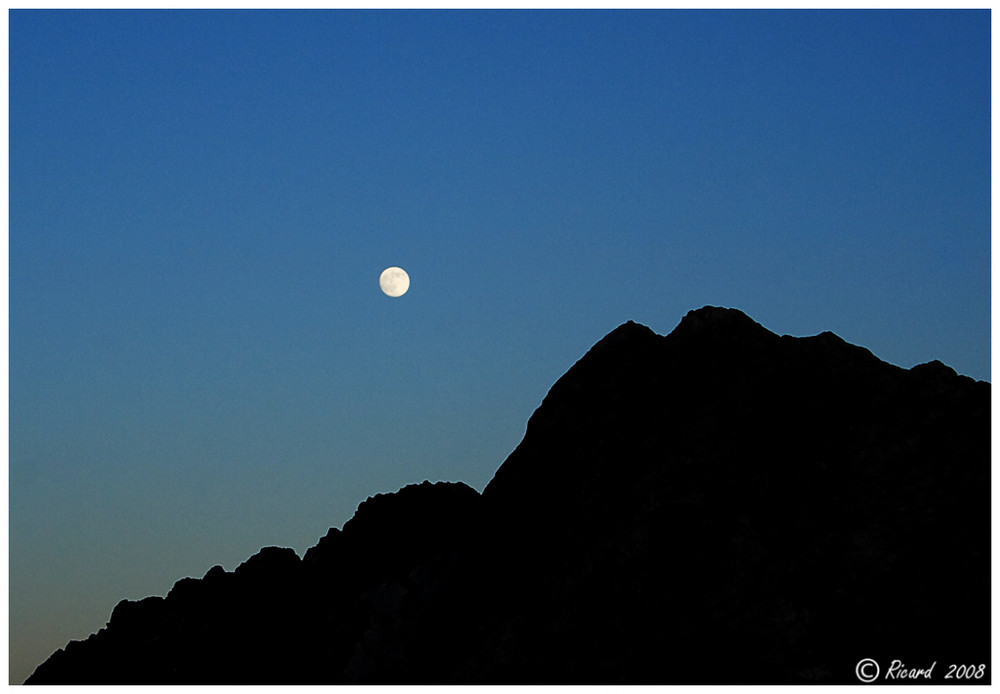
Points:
point(201, 361)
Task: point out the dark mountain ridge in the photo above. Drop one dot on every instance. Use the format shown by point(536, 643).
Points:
point(718, 505)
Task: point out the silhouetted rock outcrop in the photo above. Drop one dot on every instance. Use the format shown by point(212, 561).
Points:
point(722, 504)
point(277, 618)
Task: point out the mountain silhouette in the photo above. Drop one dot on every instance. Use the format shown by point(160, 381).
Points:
point(718, 505)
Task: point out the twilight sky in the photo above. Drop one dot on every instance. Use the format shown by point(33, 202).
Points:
point(201, 361)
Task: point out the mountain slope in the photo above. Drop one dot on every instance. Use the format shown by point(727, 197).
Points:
point(721, 504)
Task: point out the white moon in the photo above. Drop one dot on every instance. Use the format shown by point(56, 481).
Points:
point(394, 281)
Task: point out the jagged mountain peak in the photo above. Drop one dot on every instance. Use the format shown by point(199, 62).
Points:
point(626, 332)
point(788, 502)
point(635, 380)
point(709, 323)
point(418, 518)
point(716, 319)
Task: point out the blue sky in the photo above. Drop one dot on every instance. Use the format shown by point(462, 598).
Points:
point(201, 202)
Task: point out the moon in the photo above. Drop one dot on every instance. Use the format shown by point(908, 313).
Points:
point(394, 281)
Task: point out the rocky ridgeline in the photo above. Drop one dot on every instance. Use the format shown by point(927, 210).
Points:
point(719, 505)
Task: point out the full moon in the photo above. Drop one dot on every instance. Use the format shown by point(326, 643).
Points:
point(394, 281)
